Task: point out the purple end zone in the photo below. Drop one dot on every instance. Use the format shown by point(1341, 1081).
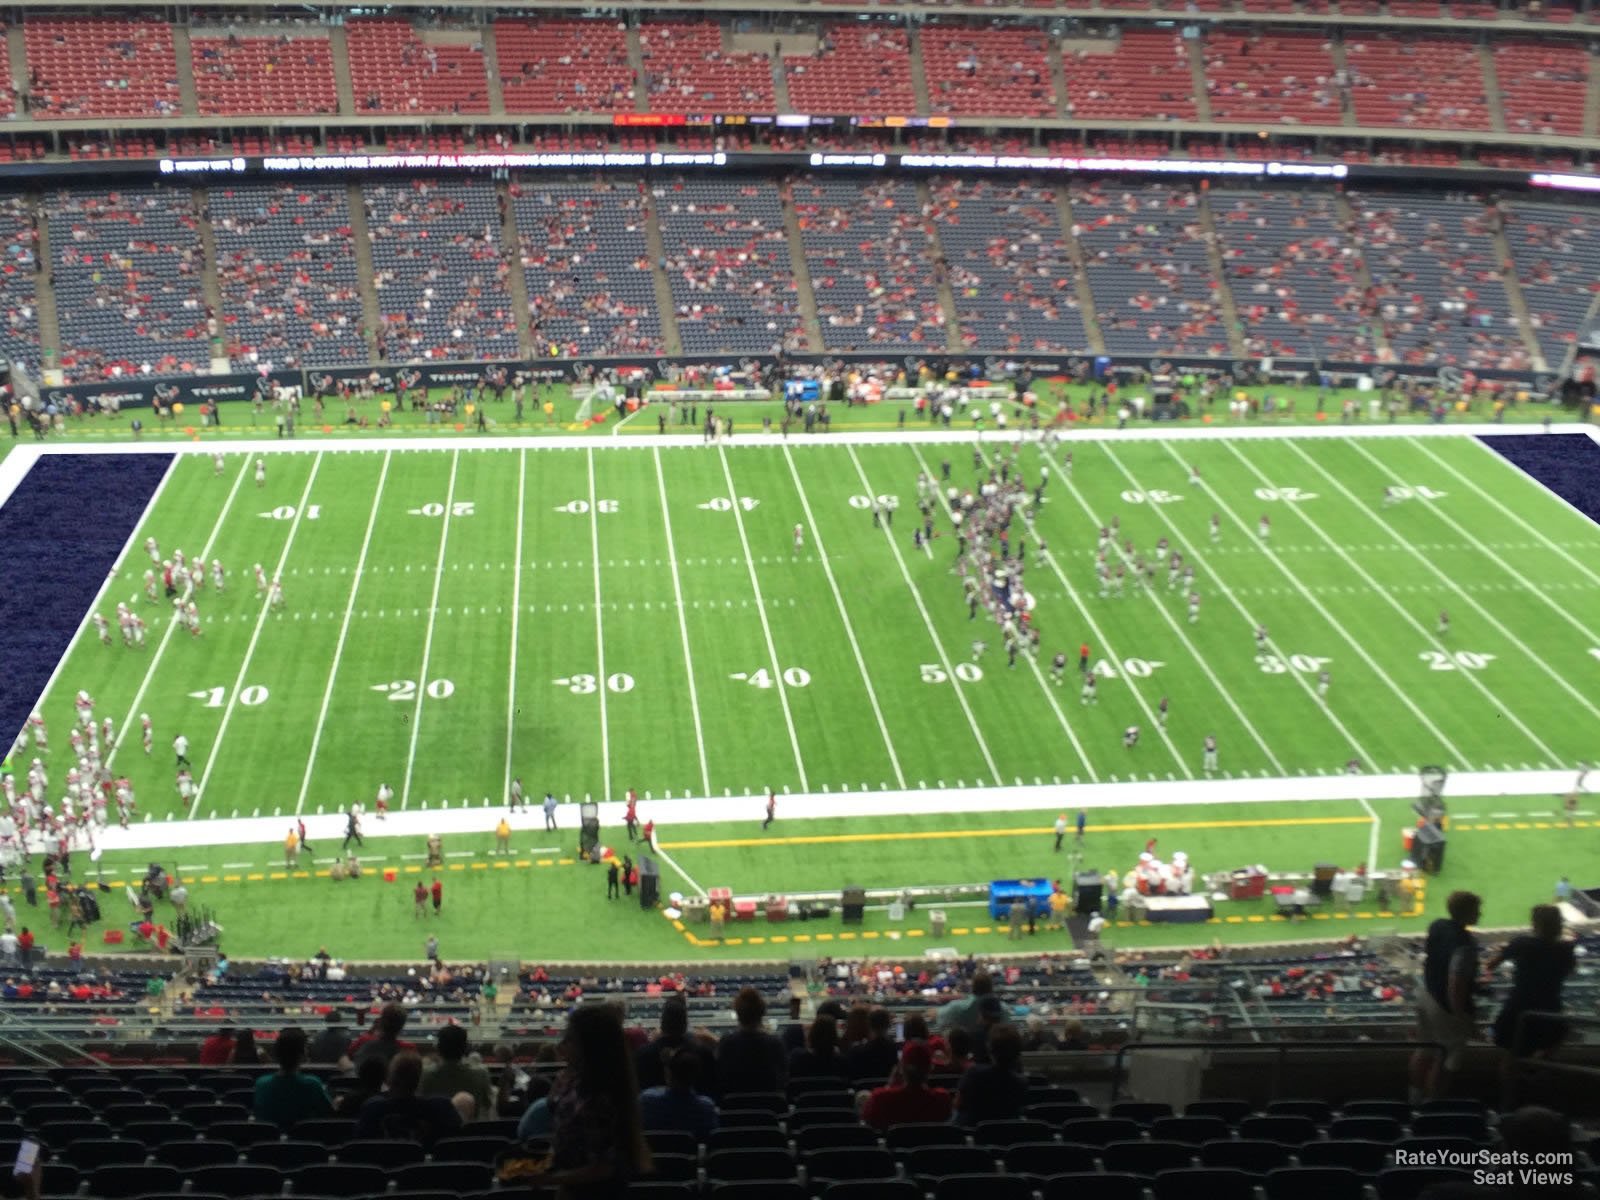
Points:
point(1566, 463)
point(65, 525)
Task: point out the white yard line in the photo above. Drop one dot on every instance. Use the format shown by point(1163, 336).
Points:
point(599, 638)
point(766, 626)
point(933, 634)
point(1192, 553)
point(1373, 839)
point(1094, 626)
point(673, 863)
point(516, 612)
point(232, 705)
point(99, 598)
point(433, 616)
point(1502, 510)
point(683, 627)
point(844, 618)
point(1299, 511)
point(344, 630)
point(1449, 581)
point(1033, 665)
point(125, 727)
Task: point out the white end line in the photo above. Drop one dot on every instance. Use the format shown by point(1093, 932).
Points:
point(766, 626)
point(673, 863)
point(344, 630)
point(599, 637)
point(844, 618)
point(255, 637)
point(1372, 836)
point(516, 612)
point(683, 629)
point(433, 613)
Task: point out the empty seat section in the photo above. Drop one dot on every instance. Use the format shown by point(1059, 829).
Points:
point(1014, 283)
point(101, 67)
point(127, 282)
point(867, 251)
point(586, 265)
point(728, 265)
point(988, 72)
point(287, 270)
point(1544, 86)
point(559, 66)
point(239, 75)
point(1146, 257)
point(1143, 75)
point(394, 69)
point(440, 271)
point(1271, 78)
point(1423, 83)
point(688, 71)
point(862, 68)
point(1294, 275)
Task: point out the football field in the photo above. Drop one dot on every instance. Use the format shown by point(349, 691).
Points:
point(644, 615)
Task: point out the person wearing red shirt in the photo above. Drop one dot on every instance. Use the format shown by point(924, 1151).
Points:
point(907, 1096)
point(438, 895)
point(218, 1048)
point(650, 833)
point(631, 816)
point(384, 1041)
point(25, 946)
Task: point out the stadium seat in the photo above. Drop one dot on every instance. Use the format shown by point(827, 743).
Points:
point(831, 1098)
point(1101, 1131)
point(188, 1155)
point(1319, 1111)
point(800, 1118)
point(243, 1133)
point(1454, 1104)
point(1291, 1131)
point(329, 1131)
point(1145, 1158)
point(1231, 1111)
point(771, 1102)
point(757, 1189)
point(650, 1189)
point(443, 1175)
point(1394, 1110)
point(287, 1156)
point(735, 1165)
point(1192, 1131)
point(1450, 1125)
point(1447, 1145)
point(660, 1141)
point(834, 1137)
point(207, 1115)
point(872, 1189)
point(921, 1133)
point(751, 1118)
point(1364, 1157)
point(1000, 1134)
point(1214, 1183)
point(1315, 1183)
point(60, 1133)
point(1408, 1183)
point(668, 1168)
point(1080, 1186)
point(927, 1163)
point(854, 1162)
point(60, 1179)
point(983, 1187)
point(387, 1155)
point(1245, 1154)
point(338, 1179)
point(115, 1183)
point(747, 1139)
point(157, 1133)
point(240, 1179)
point(1056, 1113)
point(88, 1153)
point(1049, 1158)
point(1140, 1111)
point(1371, 1129)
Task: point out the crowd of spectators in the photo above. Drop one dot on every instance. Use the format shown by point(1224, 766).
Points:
point(19, 237)
point(1557, 255)
point(686, 69)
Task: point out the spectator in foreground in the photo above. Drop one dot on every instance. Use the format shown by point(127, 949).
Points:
point(995, 1090)
point(217, 1050)
point(287, 1096)
point(1541, 963)
point(327, 1048)
point(907, 1096)
point(963, 1014)
point(821, 1057)
point(453, 1077)
point(384, 1040)
point(245, 1051)
point(598, 1143)
point(750, 1059)
point(677, 1105)
point(875, 1056)
point(1445, 1012)
point(368, 1082)
point(675, 1036)
point(400, 1114)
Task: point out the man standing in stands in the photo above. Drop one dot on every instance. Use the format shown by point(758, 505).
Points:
point(1446, 1013)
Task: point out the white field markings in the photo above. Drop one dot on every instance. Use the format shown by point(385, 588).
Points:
point(1033, 665)
point(599, 637)
point(933, 636)
point(516, 611)
point(126, 726)
point(766, 626)
point(1245, 723)
point(1192, 553)
point(427, 637)
point(1094, 626)
point(1450, 582)
point(673, 863)
point(844, 618)
point(232, 704)
point(100, 595)
point(683, 631)
point(1300, 511)
point(344, 630)
point(1504, 511)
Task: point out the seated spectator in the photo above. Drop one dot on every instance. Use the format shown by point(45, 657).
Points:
point(876, 1056)
point(384, 1041)
point(453, 1077)
point(821, 1057)
point(245, 1051)
point(287, 1096)
point(598, 1143)
point(677, 1105)
point(995, 1090)
point(400, 1114)
point(675, 1036)
point(907, 1096)
point(963, 1014)
point(328, 1046)
point(750, 1059)
point(368, 1082)
point(217, 1050)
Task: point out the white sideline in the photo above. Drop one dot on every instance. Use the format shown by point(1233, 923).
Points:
point(798, 808)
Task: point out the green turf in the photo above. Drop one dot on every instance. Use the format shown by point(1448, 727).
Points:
point(848, 652)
